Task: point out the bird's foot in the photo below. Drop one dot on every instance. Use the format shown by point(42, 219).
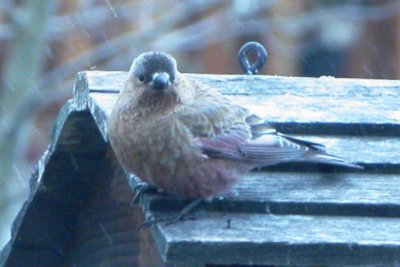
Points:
point(174, 219)
point(151, 220)
point(140, 190)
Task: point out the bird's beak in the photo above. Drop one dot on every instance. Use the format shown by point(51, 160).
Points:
point(160, 81)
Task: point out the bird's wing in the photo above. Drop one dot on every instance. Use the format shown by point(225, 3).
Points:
point(265, 146)
point(274, 148)
point(268, 149)
point(210, 113)
point(225, 130)
point(226, 144)
point(260, 127)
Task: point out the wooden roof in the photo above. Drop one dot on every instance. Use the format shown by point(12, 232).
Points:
point(290, 214)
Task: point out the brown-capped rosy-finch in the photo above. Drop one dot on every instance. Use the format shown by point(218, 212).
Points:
point(186, 138)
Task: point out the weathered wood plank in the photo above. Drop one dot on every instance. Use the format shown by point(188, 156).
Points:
point(288, 108)
point(293, 214)
point(362, 188)
point(282, 240)
point(280, 216)
point(357, 194)
point(79, 210)
point(109, 81)
point(307, 191)
point(302, 86)
point(296, 109)
point(291, 99)
point(75, 131)
point(375, 150)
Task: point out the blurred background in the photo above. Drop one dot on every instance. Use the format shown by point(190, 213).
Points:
point(44, 43)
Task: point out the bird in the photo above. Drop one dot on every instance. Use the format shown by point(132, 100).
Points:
point(188, 139)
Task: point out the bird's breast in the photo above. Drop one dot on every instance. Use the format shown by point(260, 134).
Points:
point(154, 147)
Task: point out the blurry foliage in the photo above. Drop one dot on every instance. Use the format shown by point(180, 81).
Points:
point(44, 43)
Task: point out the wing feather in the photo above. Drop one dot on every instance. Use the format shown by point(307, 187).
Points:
point(225, 130)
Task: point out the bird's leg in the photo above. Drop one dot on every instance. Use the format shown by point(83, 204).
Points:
point(151, 220)
point(188, 208)
point(140, 190)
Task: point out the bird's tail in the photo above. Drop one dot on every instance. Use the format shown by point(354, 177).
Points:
point(322, 157)
point(318, 154)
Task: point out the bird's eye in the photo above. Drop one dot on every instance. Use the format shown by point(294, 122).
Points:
point(140, 78)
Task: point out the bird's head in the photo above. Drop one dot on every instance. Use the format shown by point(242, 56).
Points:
point(155, 85)
point(155, 71)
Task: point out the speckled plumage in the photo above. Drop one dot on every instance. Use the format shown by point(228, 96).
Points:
point(190, 140)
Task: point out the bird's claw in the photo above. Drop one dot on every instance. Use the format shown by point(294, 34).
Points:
point(140, 190)
point(151, 220)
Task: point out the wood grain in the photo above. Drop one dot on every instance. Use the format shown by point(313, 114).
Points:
point(286, 215)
